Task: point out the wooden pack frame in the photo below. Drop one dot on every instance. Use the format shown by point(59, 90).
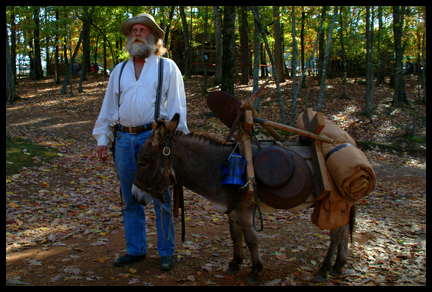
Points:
point(313, 126)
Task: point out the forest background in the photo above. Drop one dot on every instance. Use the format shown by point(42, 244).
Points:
point(370, 41)
point(58, 193)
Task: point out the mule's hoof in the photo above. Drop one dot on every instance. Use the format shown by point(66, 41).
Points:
point(335, 272)
point(320, 277)
point(232, 270)
point(252, 280)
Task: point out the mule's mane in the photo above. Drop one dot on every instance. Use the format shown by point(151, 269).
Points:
point(204, 138)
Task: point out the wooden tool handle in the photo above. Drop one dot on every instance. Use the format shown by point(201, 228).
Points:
point(292, 130)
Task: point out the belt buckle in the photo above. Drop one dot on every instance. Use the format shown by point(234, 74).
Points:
point(130, 131)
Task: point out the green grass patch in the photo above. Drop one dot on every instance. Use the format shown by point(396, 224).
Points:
point(24, 153)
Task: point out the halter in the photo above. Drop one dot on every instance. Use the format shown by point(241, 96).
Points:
point(166, 172)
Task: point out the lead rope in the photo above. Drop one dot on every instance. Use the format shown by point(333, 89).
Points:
point(170, 221)
point(255, 209)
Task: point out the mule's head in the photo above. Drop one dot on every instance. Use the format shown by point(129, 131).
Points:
point(155, 174)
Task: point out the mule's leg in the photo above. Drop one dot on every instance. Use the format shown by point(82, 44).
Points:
point(245, 219)
point(345, 232)
point(342, 254)
point(335, 239)
point(237, 237)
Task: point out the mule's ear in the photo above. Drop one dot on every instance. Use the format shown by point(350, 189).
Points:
point(173, 124)
point(159, 134)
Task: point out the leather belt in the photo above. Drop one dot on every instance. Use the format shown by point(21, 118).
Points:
point(135, 130)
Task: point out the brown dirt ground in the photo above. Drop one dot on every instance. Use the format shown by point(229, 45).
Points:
point(388, 249)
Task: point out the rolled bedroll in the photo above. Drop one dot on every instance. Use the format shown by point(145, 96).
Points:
point(348, 166)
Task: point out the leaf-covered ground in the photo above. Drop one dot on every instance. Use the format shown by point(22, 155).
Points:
point(63, 216)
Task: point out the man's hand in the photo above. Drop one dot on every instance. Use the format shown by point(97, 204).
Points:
point(102, 152)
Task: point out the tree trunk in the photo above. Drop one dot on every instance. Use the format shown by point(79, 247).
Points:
point(326, 57)
point(264, 72)
point(294, 68)
point(255, 11)
point(104, 59)
point(106, 41)
point(10, 82)
point(368, 106)
point(344, 65)
point(295, 93)
point(37, 53)
point(47, 45)
point(321, 54)
point(397, 29)
point(257, 63)
point(204, 86)
point(278, 44)
point(86, 53)
point(168, 28)
point(302, 50)
point(424, 66)
point(244, 45)
point(13, 44)
point(229, 60)
point(57, 66)
point(186, 41)
point(218, 40)
point(72, 61)
point(380, 75)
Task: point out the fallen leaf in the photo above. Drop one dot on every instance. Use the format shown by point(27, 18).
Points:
point(13, 205)
point(133, 281)
point(34, 263)
point(132, 270)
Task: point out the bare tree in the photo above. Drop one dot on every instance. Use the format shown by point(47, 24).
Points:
point(10, 80)
point(326, 57)
point(204, 86)
point(369, 77)
point(344, 65)
point(72, 61)
point(229, 60)
point(255, 11)
point(186, 40)
point(244, 44)
point(218, 40)
point(278, 44)
point(296, 91)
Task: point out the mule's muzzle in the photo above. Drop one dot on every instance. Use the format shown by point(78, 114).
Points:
point(143, 195)
point(140, 196)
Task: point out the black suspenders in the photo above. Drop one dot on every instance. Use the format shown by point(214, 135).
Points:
point(158, 91)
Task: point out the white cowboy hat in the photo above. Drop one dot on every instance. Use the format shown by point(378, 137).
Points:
point(145, 19)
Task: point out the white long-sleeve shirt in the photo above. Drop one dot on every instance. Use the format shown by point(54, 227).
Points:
point(137, 101)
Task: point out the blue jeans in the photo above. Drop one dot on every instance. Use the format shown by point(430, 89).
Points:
point(127, 148)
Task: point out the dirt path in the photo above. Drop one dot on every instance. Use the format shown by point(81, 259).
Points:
point(64, 226)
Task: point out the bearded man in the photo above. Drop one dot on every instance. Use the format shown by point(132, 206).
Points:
point(135, 112)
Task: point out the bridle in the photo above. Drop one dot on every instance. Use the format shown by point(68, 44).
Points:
point(166, 170)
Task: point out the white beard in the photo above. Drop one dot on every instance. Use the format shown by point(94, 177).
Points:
point(142, 49)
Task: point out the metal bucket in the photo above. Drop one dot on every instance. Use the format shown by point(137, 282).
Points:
point(232, 171)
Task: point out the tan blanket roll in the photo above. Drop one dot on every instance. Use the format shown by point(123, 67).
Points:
point(352, 173)
point(349, 167)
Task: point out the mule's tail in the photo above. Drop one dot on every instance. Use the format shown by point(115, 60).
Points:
point(352, 221)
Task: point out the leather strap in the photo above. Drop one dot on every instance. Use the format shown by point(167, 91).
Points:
point(179, 204)
point(166, 172)
point(338, 148)
point(159, 89)
point(121, 71)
